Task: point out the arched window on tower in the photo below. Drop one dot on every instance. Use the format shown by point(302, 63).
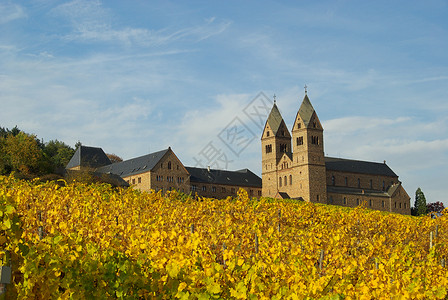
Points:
point(290, 179)
point(280, 181)
point(286, 181)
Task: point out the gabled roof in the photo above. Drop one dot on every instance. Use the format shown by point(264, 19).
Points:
point(136, 165)
point(90, 157)
point(274, 119)
point(306, 110)
point(356, 191)
point(357, 166)
point(242, 177)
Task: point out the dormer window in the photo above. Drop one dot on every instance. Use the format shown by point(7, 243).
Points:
point(267, 133)
point(314, 124)
point(283, 133)
point(299, 125)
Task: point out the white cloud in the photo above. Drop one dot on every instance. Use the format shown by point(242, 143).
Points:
point(10, 12)
point(91, 21)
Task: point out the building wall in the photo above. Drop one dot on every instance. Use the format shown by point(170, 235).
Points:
point(346, 179)
point(221, 191)
point(399, 202)
point(168, 174)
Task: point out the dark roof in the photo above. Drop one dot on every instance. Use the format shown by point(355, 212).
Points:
point(239, 178)
point(358, 166)
point(284, 195)
point(356, 191)
point(136, 165)
point(91, 157)
point(112, 179)
point(275, 119)
point(306, 110)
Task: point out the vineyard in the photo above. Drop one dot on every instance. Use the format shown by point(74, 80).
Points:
point(98, 242)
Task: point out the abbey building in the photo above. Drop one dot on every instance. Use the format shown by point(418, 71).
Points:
point(294, 166)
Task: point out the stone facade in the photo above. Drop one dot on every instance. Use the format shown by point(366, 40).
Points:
point(294, 166)
point(163, 171)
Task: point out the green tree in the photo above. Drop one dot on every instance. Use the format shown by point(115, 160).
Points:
point(420, 203)
point(22, 152)
point(57, 154)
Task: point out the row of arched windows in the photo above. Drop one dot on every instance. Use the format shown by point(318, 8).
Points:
point(285, 180)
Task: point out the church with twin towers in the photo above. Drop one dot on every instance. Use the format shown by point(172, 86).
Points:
point(294, 166)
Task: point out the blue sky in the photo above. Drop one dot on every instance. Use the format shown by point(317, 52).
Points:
point(135, 77)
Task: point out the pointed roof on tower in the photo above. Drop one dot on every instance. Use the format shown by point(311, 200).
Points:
point(275, 119)
point(306, 110)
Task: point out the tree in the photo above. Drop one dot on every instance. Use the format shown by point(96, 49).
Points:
point(114, 158)
point(23, 152)
point(435, 207)
point(420, 203)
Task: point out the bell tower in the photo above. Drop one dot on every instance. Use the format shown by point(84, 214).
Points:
point(308, 154)
point(275, 141)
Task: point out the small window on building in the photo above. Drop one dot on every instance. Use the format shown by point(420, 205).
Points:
point(400, 204)
point(405, 205)
point(299, 140)
point(290, 179)
point(161, 166)
point(283, 133)
point(268, 148)
point(359, 183)
point(204, 188)
point(370, 202)
point(371, 183)
point(357, 201)
point(177, 167)
point(283, 148)
point(267, 133)
point(259, 193)
point(214, 189)
point(384, 185)
point(223, 190)
point(314, 124)
point(346, 181)
point(333, 180)
point(279, 181)
point(299, 125)
point(345, 201)
point(139, 180)
point(395, 205)
point(194, 187)
point(286, 181)
point(382, 203)
point(169, 165)
point(133, 181)
point(317, 198)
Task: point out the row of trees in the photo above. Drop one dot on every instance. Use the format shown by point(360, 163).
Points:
point(422, 208)
point(28, 156)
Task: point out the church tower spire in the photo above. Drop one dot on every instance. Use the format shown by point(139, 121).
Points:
point(275, 142)
point(308, 153)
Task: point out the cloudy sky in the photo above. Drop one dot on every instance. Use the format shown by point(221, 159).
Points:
point(138, 76)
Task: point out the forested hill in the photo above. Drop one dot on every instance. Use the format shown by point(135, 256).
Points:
point(29, 157)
